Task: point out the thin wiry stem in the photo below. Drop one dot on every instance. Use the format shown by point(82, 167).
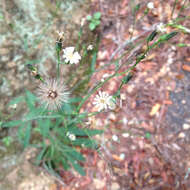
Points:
point(58, 63)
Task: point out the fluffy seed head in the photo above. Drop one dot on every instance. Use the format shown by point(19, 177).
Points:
point(53, 93)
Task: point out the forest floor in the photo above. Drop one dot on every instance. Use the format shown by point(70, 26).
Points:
point(146, 140)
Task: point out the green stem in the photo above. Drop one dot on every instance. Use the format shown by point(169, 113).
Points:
point(58, 63)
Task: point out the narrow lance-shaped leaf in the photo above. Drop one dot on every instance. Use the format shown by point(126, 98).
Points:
point(152, 36)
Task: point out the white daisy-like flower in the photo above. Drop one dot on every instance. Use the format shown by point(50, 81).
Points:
point(90, 47)
point(150, 5)
point(71, 136)
point(161, 28)
point(71, 56)
point(103, 101)
point(53, 93)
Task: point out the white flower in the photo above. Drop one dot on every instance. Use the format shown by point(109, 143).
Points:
point(104, 101)
point(90, 47)
point(150, 5)
point(53, 93)
point(161, 27)
point(71, 136)
point(71, 56)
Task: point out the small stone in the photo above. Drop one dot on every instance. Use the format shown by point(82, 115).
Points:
point(125, 135)
point(123, 96)
point(115, 186)
point(133, 147)
point(130, 88)
point(181, 135)
point(186, 126)
point(125, 120)
point(122, 156)
point(183, 101)
point(115, 138)
point(99, 183)
point(112, 116)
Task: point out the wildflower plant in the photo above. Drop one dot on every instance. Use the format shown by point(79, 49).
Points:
point(94, 20)
point(55, 117)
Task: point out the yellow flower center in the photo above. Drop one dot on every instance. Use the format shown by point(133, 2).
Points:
point(102, 101)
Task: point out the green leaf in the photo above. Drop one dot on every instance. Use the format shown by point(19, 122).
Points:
point(96, 22)
point(127, 78)
point(147, 135)
point(92, 26)
point(97, 15)
point(74, 100)
point(137, 7)
point(86, 142)
point(16, 100)
point(26, 140)
point(30, 99)
point(65, 164)
point(67, 108)
point(89, 17)
point(94, 57)
point(74, 154)
point(7, 140)
point(40, 155)
point(152, 36)
point(166, 37)
point(44, 126)
point(12, 123)
point(182, 45)
point(84, 132)
point(116, 63)
point(77, 167)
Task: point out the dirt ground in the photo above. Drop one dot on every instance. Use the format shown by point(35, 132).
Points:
point(146, 144)
point(146, 140)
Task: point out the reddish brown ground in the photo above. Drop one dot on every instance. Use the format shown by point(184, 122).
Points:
point(153, 109)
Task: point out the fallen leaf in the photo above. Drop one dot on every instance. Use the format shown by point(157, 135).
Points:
point(154, 109)
point(186, 68)
point(116, 157)
point(168, 102)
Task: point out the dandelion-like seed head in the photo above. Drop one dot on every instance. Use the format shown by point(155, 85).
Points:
point(53, 93)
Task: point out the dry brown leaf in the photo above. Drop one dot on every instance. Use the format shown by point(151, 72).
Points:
point(168, 102)
point(186, 68)
point(115, 157)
